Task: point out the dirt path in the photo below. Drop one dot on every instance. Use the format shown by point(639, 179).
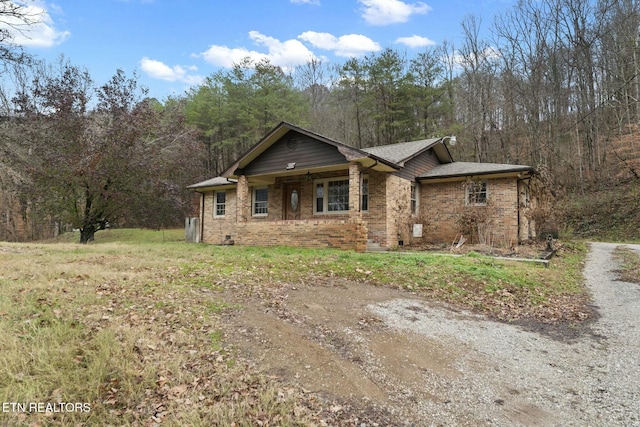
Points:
point(393, 358)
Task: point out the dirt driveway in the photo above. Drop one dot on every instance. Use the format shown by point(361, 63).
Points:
point(389, 357)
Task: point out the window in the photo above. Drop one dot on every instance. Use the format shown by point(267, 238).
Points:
point(364, 205)
point(477, 193)
point(414, 198)
point(320, 197)
point(332, 195)
point(338, 196)
point(220, 203)
point(260, 201)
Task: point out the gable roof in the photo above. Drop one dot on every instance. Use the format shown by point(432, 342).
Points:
point(463, 169)
point(401, 152)
point(350, 153)
point(386, 158)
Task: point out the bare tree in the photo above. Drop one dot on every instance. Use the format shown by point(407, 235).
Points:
point(477, 87)
point(13, 18)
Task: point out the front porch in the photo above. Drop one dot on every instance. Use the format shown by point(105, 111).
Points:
point(315, 208)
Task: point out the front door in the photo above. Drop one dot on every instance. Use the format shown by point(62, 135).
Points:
point(292, 201)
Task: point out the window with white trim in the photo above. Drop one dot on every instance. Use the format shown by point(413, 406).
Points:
point(260, 201)
point(364, 203)
point(414, 198)
point(220, 203)
point(331, 195)
point(476, 193)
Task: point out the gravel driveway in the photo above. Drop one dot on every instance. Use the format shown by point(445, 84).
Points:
point(508, 376)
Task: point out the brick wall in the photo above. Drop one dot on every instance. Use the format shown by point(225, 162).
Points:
point(388, 220)
point(331, 233)
point(398, 210)
point(443, 203)
point(376, 216)
point(342, 231)
point(216, 229)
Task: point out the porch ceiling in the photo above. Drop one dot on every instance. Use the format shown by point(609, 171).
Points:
point(267, 179)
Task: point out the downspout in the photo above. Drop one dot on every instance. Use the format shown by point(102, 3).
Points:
point(518, 205)
point(201, 218)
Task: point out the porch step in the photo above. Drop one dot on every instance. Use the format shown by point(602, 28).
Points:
point(374, 247)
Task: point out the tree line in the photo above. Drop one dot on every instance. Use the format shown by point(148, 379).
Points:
point(549, 83)
point(554, 85)
point(87, 156)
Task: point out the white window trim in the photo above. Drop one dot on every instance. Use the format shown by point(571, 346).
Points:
point(325, 199)
point(368, 193)
point(253, 202)
point(468, 191)
point(215, 204)
point(414, 185)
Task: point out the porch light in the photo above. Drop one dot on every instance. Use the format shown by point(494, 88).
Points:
point(291, 165)
point(309, 177)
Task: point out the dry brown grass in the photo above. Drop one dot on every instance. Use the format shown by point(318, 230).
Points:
point(132, 329)
point(121, 329)
point(629, 260)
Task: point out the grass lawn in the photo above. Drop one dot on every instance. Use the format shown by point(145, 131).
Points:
point(126, 330)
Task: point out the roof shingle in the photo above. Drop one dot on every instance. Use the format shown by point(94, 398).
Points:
point(472, 168)
point(402, 151)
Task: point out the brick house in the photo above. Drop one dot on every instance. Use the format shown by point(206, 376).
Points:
point(298, 188)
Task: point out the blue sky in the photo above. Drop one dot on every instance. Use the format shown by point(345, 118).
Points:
point(174, 44)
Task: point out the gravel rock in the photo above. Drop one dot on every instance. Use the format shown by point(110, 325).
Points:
point(507, 376)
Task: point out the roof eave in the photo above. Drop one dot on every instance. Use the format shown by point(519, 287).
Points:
point(206, 186)
point(442, 151)
point(520, 173)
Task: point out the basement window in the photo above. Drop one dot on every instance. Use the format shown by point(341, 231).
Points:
point(477, 193)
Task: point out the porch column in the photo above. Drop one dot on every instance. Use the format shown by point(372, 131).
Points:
point(243, 207)
point(354, 190)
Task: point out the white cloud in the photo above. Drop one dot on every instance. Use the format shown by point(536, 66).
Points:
point(40, 32)
point(285, 54)
point(350, 45)
point(223, 56)
point(415, 41)
point(385, 12)
point(177, 73)
point(314, 2)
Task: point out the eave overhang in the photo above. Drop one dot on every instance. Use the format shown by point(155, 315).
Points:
point(483, 171)
point(214, 184)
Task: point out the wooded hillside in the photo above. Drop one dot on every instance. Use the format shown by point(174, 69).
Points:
point(554, 86)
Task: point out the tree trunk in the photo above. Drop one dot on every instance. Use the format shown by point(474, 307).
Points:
point(87, 234)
